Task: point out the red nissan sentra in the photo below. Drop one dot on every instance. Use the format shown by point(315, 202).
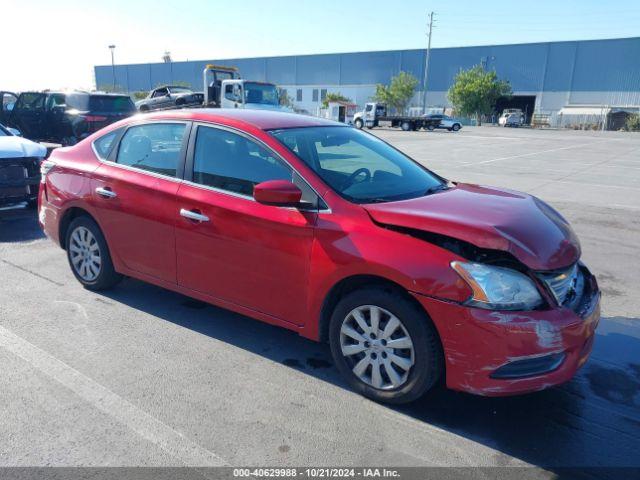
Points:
point(331, 232)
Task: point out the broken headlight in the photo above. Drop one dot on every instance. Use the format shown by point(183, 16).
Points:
point(498, 288)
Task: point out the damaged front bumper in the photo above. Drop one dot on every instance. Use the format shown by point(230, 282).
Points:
point(496, 353)
point(19, 180)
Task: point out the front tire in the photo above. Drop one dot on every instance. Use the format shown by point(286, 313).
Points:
point(385, 347)
point(88, 255)
point(455, 127)
point(431, 128)
point(359, 124)
point(405, 126)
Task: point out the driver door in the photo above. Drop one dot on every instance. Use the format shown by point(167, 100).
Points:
point(241, 251)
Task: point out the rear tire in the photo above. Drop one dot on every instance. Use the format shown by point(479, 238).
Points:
point(406, 370)
point(144, 108)
point(88, 255)
point(431, 128)
point(405, 126)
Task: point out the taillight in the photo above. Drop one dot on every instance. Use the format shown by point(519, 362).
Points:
point(45, 167)
point(94, 118)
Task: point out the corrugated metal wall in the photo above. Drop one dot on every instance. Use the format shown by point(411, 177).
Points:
point(611, 68)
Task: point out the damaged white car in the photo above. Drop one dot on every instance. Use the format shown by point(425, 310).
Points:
point(19, 168)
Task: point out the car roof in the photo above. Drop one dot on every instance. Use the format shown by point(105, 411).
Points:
point(262, 119)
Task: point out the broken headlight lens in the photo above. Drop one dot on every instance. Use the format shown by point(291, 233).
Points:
point(498, 288)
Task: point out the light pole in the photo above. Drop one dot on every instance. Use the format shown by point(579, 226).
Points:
point(426, 67)
point(113, 66)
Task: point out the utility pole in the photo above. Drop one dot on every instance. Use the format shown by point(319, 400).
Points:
point(113, 66)
point(426, 66)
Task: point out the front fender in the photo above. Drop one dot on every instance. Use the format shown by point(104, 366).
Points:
point(413, 264)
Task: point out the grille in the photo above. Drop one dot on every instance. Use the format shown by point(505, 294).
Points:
point(13, 173)
point(563, 284)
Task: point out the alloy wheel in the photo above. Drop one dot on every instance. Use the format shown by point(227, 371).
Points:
point(377, 347)
point(85, 254)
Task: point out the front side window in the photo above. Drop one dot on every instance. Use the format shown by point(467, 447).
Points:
point(153, 147)
point(232, 162)
point(357, 165)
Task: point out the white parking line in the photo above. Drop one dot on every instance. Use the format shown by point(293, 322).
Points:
point(530, 154)
point(145, 425)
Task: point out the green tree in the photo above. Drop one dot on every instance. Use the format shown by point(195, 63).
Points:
point(334, 97)
point(475, 91)
point(633, 123)
point(399, 93)
point(284, 98)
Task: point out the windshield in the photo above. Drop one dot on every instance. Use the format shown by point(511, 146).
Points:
point(260, 93)
point(357, 165)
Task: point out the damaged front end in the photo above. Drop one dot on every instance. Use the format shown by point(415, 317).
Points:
point(492, 349)
point(19, 180)
point(496, 350)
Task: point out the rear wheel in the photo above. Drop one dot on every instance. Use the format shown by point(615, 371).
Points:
point(405, 126)
point(144, 108)
point(431, 128)
point(89, 256)
point(385, 347)
point(359, 123)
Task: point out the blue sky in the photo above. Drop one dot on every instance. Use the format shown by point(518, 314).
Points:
point(67, 37)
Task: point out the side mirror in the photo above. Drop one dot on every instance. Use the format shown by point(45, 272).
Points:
point(280, 193)
point(15, 131)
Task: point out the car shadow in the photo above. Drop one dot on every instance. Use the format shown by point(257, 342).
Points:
point(19, 224)
point(592, 421)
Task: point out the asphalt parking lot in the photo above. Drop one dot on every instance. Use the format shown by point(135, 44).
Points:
point(143, 376)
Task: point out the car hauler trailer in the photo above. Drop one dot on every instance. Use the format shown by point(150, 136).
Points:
point(375, 115)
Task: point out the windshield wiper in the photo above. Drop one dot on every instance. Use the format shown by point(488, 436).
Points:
point(437, 188)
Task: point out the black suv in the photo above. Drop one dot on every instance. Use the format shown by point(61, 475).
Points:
point(66, 117)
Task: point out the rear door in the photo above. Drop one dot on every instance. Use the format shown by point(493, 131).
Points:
point(135, 195)
point(241, 251)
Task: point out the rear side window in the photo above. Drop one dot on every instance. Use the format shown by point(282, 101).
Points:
point(104, 144)
point(152, 147)
point(231, 162)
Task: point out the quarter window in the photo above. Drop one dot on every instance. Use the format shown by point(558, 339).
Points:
point(232, 162)
point(153, 147)
point(104, 144)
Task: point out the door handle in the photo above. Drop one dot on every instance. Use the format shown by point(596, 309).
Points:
point(195, 216)
point(106, 192)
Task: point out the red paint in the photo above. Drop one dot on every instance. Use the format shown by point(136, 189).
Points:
point(278, 264)
point(277, 192)
point(490, 218)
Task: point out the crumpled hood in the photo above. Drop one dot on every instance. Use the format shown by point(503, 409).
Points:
point(491, 218)
point(16, 147)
